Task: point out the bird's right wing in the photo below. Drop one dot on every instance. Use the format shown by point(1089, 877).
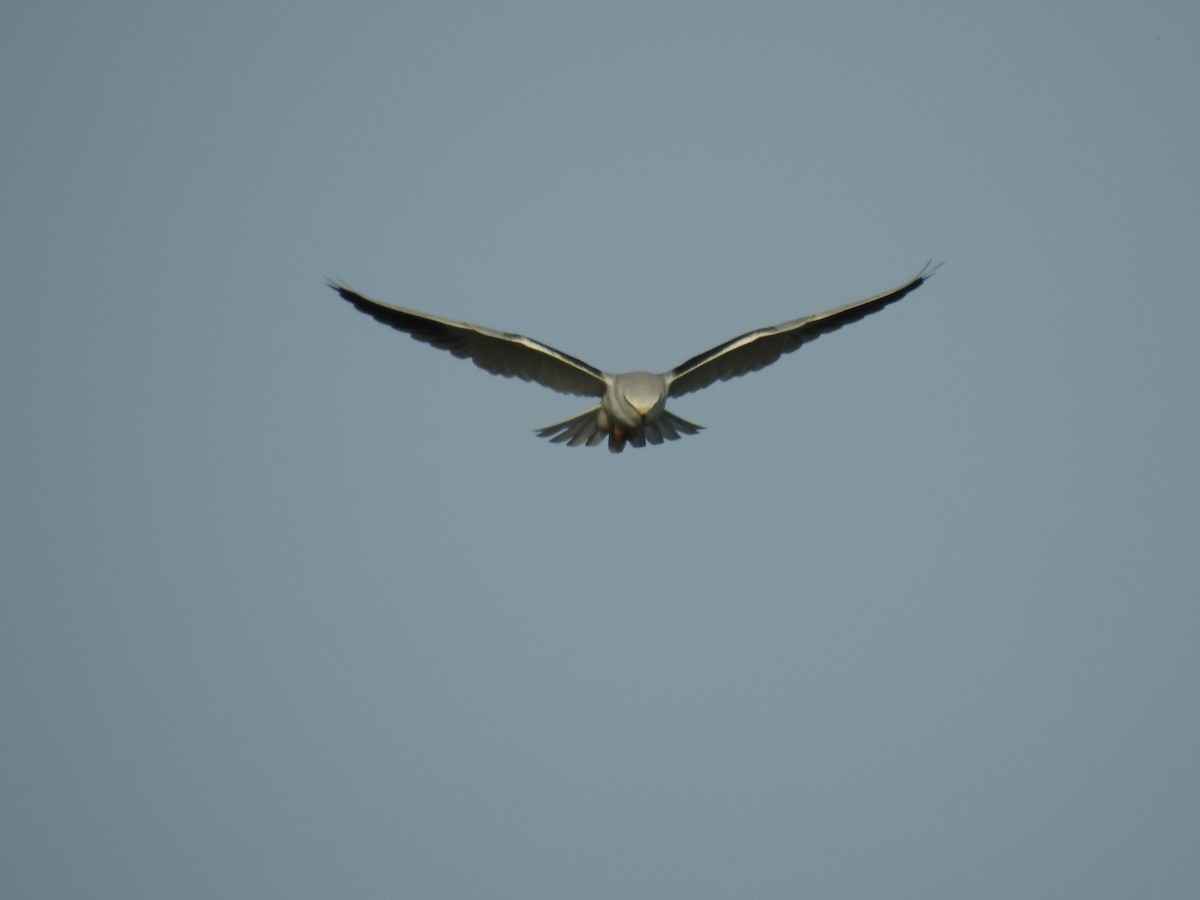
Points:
point(510, 355)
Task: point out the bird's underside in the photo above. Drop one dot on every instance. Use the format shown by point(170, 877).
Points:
point(632, 407)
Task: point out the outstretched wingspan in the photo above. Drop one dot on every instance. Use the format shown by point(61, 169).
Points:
point(498, 352)
point(757, 349)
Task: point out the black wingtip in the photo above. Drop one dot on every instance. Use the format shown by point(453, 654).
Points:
point(928, 269)
point(357, 300)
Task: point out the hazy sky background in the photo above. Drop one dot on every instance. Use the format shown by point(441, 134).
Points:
point(295, 606)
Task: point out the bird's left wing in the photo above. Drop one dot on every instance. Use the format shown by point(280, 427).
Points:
point(500, 353)
point(756, 349)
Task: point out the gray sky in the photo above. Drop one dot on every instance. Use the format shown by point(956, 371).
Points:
point(298, 607)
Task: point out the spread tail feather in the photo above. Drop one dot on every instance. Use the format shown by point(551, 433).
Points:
point(669, 426)
point(585, 429)
point(581, 429)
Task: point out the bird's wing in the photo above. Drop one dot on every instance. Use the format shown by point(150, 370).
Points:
point(756, 349)
point(511, 355)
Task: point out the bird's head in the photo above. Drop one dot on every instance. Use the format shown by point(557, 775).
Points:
point(643, 393)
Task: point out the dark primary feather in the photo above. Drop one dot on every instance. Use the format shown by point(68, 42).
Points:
point(757, 349)
point(511, 355)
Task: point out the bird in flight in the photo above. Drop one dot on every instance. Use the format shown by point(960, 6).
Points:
point(632, 406)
